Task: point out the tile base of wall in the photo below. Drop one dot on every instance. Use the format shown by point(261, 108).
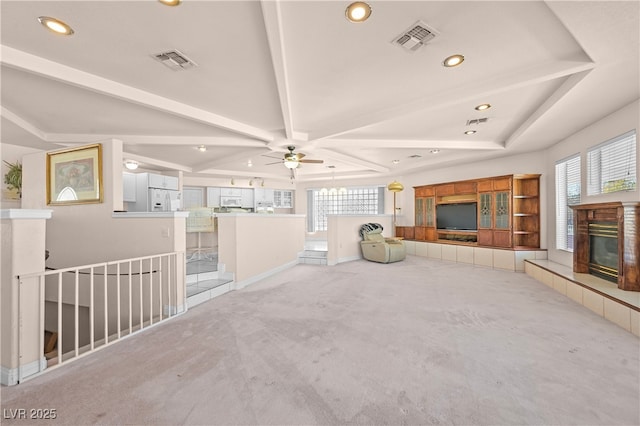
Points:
point(509, 260)
point(608, 307)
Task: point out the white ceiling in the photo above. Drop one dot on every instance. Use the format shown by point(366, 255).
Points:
point(277, 73)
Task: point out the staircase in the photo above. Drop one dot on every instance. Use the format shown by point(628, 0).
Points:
point(315, 253)
point(205, 281)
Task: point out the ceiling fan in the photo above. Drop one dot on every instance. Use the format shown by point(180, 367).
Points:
point(293, 160)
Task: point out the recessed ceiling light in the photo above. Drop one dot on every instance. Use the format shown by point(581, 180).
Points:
point(202, 148)
point(396, 161)
point(453, 61)
point(170, 2)
point(249, 163)
point(470, 132)
point(434, 151)
point(55, 25)
point(482, 107)
point(358, 11)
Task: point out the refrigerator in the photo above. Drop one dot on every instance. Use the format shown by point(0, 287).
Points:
point(163, 200)
point(156, 193)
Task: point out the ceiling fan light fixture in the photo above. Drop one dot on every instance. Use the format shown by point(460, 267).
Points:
point(55, 25)
point(291, 164)
point(453, 61)
point(358, 12)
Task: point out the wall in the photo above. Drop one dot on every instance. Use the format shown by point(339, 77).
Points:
point(619, 122)
point(254, 245)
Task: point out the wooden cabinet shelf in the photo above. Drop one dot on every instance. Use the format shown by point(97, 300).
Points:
point(508, 211)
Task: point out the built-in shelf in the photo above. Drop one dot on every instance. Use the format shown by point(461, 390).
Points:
point(508, 211)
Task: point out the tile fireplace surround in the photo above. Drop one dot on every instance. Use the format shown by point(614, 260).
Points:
point(627, 216)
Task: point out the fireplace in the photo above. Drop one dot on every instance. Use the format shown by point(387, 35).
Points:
point(603, 250)
point(607, 242)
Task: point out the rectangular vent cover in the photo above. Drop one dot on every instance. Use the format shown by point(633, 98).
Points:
point(175, 60)
point(477, 121)
point(415, 37)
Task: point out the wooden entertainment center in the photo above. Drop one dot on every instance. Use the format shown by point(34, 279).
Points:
point(508, 212)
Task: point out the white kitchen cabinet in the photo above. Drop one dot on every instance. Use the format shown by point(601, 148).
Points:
point(283, 199)
point(231, 192)
point(247, 198)
point(129, 187)
point(160, 181)
point(213, 196)
point(264, 197)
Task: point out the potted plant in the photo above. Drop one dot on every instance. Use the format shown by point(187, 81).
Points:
point(13, 177)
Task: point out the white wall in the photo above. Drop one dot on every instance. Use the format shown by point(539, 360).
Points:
point(251, 245)
point(621, 121)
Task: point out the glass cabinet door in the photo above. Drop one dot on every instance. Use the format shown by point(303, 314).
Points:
point(485, 210)
point(502, 210)
point(420, 210)
point(430, 210)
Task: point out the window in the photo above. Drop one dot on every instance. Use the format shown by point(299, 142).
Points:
point(567, 194)
point(611, 166)
point(360, 200)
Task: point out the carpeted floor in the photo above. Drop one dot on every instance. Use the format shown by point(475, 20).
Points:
point(417, 342)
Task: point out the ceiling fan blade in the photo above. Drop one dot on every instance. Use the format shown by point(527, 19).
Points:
point(275, 162)
point(312, 161)
point(271, 156)
point(299, 156)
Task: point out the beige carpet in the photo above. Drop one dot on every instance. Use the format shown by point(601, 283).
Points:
point(416, 342)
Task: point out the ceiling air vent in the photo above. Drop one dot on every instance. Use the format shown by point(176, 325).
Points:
point(175, 60)
point(477, 121)
point(415, 37)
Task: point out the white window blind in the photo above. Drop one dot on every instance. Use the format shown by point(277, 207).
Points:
point(567, 194)
point(611, 165)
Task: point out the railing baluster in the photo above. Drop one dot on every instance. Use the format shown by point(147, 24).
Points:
point(141, 307)
point(75, 314)
point(60, 318)
point(91, 310)
point(160, 286)
point(130, 300)
point(169, 284)
point(40, 335)
point(106, 307)
point(151, 291)
point(118, 296)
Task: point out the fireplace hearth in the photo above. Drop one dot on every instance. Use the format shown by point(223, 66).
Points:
point(607, 242)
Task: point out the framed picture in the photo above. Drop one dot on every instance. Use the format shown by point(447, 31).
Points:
point(74, 176)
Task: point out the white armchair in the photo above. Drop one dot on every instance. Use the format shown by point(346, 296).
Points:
point(377, 248)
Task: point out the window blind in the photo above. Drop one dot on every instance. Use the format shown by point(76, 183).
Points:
point(567, 194)
point(611, 165)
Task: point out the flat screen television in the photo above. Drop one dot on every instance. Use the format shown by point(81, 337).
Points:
point(459, 216)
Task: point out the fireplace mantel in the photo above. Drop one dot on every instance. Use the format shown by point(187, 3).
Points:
point(627, 216)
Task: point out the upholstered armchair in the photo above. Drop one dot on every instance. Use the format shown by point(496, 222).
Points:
point(377, 248)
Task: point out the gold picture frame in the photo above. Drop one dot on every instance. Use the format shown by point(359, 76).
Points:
point(74, 176)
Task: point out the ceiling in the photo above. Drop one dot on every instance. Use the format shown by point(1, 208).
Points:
point(271, 74)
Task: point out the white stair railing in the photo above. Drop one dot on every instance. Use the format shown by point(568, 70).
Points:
point(92, 306)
